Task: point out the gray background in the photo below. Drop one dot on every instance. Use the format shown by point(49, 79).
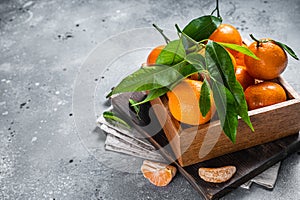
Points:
point(43, 45)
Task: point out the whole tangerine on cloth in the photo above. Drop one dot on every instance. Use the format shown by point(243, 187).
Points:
point(264, 94)
point(158, 174)
point(183, 102)
point(272, 60)
point(153, 55)
point(227, 33)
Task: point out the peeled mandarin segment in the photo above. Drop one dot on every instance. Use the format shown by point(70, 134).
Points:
point(217, 175)
point(159, 174)
point(152, 57)
point(264, 94)
point(273, 61)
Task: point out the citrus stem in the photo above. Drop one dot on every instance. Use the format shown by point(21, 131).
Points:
point(216, 9)
point(161, 32)
point(177, 28)
point(256, 40)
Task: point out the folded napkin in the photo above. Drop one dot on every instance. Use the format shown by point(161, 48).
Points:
point(129, 141)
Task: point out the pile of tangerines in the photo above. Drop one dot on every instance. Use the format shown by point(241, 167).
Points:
point(255, 76)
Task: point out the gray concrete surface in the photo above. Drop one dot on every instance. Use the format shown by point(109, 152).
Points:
point(43, 46)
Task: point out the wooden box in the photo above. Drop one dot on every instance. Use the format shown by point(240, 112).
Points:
point(193, 144)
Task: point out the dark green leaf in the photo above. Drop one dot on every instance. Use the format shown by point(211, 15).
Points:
point(190, 45)
point(172, 54)
point(242, 107)
point(219, 64)
point(239, 48)
point(153, 94)
point(204, 101)
point(187, 70)
point(226, 109)
point(197, 60)
point(149, 78)
point(220, 67)
point(202, 27)
point(111, 116)
point(136, 108)
point(287, 49)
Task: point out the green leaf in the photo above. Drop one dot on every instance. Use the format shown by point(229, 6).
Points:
point(187, 70)
point(153, 94)
point(111, 116)
point(197, 60)
point(148, 78)
point(135, 107)
point(220, 67)
point(226, 109)
point(287, 49)
point(219, 64)
point(202, 27)
point(242, 107)
point(172, 54)
point(239, 48)
point(204, 101)
point(190, 45)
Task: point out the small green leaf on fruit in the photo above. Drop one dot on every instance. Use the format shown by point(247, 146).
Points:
point(239, 48)
point(287, 49)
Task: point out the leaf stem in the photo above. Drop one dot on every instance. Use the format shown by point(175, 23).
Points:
point(161, 32)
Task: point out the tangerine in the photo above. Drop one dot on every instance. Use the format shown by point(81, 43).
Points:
point(152, 57)
point(243, 77)
point(272, 60)
point(228, 34)
point(184, 103)
point(264, 94)
point(159, 174)
point(239, 57)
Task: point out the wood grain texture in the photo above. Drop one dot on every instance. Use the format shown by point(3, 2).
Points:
point(249, 162)
point(195, 144)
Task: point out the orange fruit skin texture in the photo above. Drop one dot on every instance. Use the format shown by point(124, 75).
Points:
point(227, 33)
point(264, 94)
point(152, 57)
point(239, 57)
point(273, 61)
point(184, 103)
point(243, 77)
point(158, 174)
point(233, 60)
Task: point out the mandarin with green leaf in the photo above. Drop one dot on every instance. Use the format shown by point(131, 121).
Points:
point(152, 57)
point(227, 33)
point(184, 103)
point(272, 60)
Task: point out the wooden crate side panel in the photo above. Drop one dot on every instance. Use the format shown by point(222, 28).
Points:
point(269, 126)
point(170, 129)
